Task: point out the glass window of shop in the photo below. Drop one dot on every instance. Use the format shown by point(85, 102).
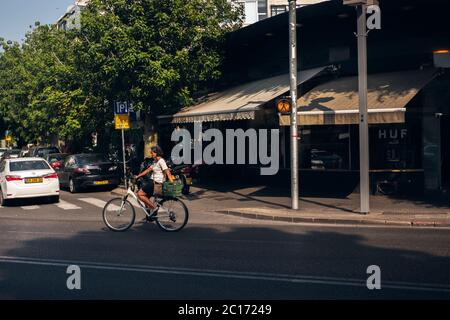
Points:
point(395, 146)
point(325, 148)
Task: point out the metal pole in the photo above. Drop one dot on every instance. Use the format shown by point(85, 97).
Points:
point(124, 163)
point(349, 148)
point(363, 123)
point(293, 83)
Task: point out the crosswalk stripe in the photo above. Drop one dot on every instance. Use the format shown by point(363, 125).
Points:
point(96, 202)
point(30, 207)
point(67, 205)
point(101, 204)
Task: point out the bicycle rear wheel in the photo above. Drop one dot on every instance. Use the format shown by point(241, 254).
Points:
point(118, 214)
point(173, 215)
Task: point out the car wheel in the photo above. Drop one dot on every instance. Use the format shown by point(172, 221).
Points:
point(186, 188)
point(2, 200)
point(73, 188)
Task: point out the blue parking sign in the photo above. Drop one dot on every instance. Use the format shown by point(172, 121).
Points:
point(121, 107)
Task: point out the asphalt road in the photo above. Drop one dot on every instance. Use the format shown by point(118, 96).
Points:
point(214, 257)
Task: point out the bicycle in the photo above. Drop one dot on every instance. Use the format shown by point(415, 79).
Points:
point(119, 214)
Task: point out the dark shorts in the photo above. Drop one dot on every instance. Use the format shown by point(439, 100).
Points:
point(148, 188)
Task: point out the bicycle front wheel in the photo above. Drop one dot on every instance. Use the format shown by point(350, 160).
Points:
point(173, 215)
point(118, 214)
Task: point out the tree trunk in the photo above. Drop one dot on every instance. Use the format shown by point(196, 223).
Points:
point(150, 134)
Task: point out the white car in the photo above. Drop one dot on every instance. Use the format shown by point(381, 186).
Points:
point(27, 178)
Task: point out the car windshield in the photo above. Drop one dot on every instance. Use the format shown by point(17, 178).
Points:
point(92, 158)
point(28, 165)
point(44, 151)
point(56, 157)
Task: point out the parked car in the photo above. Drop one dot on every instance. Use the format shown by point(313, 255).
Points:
point(24, 153)
point(2, 151)
point(321, 159)
point(88, 170)
point(56, 160)
point(27, 178)
point(10, 154)
point(41, 152)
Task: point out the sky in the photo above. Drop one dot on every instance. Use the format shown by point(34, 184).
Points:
point(17, 15)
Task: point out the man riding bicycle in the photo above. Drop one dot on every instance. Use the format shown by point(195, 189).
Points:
point(159, 171)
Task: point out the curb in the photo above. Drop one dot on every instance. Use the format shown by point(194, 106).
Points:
point(336, 221)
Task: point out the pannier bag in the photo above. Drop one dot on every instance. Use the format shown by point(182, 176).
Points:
point(172, 189)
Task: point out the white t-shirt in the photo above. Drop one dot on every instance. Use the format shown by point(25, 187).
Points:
point(158, 171)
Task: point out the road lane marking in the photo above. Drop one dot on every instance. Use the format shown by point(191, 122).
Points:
point(94, 201)
point(67, 205)
point(227, 274)
point(30, 207)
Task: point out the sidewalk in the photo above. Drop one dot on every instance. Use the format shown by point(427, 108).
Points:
point(265, 203)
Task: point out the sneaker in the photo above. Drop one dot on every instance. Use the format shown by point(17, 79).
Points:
point(151, 214)
point(148, 215)
point(155, 211)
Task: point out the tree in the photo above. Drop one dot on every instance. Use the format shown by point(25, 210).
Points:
point(156, 53)
point(40, 88)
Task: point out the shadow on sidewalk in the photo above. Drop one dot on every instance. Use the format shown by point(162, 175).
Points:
point(275, 196)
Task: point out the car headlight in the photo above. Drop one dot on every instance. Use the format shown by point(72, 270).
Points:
point(113, 168)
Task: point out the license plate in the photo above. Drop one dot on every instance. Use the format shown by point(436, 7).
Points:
point(189, 181)
point(101, 182)
point(34, 180)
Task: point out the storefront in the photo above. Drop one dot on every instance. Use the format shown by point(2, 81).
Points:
point(247, 106)
point(404, 146)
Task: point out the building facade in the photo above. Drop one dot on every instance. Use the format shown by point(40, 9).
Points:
point(72, 17)
point(257, 10)
point(408, 101)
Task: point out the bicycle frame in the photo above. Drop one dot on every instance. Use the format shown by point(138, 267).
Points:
point(131, 193)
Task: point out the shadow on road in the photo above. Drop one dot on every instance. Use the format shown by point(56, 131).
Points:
point(292, 252)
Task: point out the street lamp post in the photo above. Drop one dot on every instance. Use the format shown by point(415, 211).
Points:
point(361, 7)
point(293, 93)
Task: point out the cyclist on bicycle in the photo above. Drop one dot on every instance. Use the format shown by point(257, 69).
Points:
point(159, 171)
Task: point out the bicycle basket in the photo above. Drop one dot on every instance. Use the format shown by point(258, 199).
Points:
point(172, 189)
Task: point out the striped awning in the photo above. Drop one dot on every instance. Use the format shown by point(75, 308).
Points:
point(240, 103)
point(337, 102)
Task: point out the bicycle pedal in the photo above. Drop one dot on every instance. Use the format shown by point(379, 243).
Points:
point(150, 219)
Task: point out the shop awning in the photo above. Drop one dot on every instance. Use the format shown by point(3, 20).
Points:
point(239, 103)
point(337, 102)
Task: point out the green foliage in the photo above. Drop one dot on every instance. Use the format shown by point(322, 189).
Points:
point(156, 53)
point(40, 90)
